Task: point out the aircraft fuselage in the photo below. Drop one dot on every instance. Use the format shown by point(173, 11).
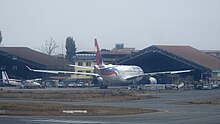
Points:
point(119, 73)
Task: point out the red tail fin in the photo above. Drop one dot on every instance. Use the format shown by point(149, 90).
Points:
point(98, 54)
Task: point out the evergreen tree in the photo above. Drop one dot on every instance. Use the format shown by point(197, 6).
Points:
point(70, 48)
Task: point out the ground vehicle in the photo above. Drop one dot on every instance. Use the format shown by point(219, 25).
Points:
point(61, 85)
point(206, 87)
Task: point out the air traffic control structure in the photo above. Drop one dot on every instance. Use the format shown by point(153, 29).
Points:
point(164, 58)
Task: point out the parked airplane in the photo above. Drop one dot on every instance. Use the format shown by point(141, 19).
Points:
point(20, 83)
point(6, 80)
point(113, 73)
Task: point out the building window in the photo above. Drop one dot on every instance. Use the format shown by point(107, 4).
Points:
point(80, 64)
point(88, 71)
point(3, 67)
point(14, 58)
point(88, 63)
point(14, 67)
point(218, 74)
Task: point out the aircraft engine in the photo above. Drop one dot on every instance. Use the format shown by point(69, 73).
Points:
point(100, 80)
point(102, 85)
point(96, 67)
point(153, 80)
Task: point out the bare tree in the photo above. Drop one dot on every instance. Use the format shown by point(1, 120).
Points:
point(49, 46)
point(1, 37)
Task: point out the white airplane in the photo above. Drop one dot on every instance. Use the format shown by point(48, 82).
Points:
point(6, 80)
point(113, 73)
point(19, 83)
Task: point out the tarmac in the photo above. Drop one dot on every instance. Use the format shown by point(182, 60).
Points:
point(171, 113)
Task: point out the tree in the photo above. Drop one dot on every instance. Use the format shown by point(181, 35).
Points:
point(1, 37)
point(49, 46)
point(70, 48)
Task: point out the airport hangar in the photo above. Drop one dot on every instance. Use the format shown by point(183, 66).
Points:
point(158, 58)
point(151, 59)
point(15, 59)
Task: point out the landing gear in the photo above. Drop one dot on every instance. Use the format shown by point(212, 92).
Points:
point(134, 86)
point(103, 86)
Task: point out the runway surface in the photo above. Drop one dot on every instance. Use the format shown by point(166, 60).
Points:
point(173, 113)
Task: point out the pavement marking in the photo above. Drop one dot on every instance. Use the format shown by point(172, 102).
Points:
point(81, 122)
point(70, 121)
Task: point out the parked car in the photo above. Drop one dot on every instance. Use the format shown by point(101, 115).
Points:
point(206, 87)
point(61, 85)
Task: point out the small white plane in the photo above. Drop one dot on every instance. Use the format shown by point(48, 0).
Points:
point(6, 80)
point(113, 73)
point(19, 83)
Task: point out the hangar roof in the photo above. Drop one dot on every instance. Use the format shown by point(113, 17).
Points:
point(193, 55)
point(31, 55)
point(104, 52)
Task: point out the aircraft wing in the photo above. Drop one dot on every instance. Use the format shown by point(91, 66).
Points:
point(16, 80)
point(63, 72)
point(167, 72)
point(86, 67)
point(36, 79)
point(109, 66)
point(130, 77)
point(156, 73)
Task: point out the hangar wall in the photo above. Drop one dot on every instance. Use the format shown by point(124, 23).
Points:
point(171, 58)
point(15, 59)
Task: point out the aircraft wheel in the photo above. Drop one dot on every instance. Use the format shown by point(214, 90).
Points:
point(103, 86)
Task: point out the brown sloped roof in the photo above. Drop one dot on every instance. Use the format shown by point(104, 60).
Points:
point(193, 55)
point(31, 55)
point(103, 52)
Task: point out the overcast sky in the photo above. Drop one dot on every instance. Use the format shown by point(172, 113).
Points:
point(136, 23)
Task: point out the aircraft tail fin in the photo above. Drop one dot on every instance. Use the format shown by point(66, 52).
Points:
point(98, 54)
point(5, 77)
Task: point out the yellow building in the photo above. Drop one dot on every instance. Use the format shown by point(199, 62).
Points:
point(85, 59)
